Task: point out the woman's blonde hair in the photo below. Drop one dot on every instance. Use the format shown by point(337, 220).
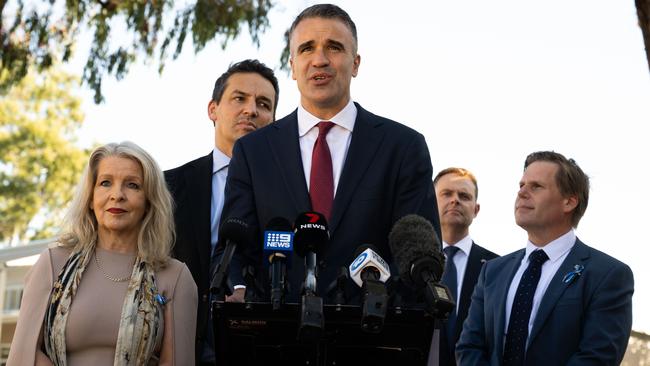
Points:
point(156, 234)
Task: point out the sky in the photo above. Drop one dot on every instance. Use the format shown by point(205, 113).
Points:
point(486, 83)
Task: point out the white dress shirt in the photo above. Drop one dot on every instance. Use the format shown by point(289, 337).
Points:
point(338, 138)
point(557, 251)
point(460, 260)
point(220, 162)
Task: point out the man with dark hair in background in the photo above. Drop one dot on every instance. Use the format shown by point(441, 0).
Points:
point(557, 301)
point(362, 171)
point(244, 99)
point(457, 195)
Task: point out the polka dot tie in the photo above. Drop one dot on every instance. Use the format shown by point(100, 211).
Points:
point(515, 348)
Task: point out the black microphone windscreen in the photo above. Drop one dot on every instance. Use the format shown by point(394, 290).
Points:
point(235, 230)
point(310, 233)
point(278, 224)
point(411, 240)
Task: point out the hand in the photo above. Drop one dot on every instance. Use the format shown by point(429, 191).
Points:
point(237, 296)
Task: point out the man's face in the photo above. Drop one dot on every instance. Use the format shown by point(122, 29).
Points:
point(246, 105)
point(323, 62)
point(456, 198)
point(540, 207)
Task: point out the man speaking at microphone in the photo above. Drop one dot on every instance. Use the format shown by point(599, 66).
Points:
point(362, 171)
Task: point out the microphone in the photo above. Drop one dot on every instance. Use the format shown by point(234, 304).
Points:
point(310, 234)
point(416, 249)
point(336, 289)
point(234, 232)
point(368, 265)
point(370, 272)
point(278, 247)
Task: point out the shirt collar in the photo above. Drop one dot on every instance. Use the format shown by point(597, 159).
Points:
point(219, 160)
point(464, 244)
point(555, 249)
point(345, 118)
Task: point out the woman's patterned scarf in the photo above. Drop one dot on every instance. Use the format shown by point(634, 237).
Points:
point(141, 323)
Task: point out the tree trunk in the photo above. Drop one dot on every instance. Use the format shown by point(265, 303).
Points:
point(643, 11)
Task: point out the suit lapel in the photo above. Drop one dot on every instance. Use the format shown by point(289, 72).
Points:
point(285, 147)
point(578, 254)
point(366, 139)
point(201, 177)
point(509, 270)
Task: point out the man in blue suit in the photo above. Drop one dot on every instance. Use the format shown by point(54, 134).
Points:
point(558, 301)
point(379, 170)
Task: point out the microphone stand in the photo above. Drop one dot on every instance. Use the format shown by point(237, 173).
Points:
point(278, 280)
point(375, 303)
point(336, 289)
point(437, 296)
point(312, 321)
point(253, 289)
point(218, 285)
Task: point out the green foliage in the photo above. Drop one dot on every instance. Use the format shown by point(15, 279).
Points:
point(39, 161)
point(37, 37)
point(286, 54)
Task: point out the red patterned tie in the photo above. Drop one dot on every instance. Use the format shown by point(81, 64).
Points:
point(321, 179)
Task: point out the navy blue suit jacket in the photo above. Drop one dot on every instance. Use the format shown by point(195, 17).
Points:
point(191, 188)
point(477, 257)
point(584, 322)
point(386, 175)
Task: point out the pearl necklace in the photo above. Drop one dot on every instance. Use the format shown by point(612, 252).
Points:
point(120, 279)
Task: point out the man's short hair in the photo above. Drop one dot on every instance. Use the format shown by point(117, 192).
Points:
point(246, 66)
point(461, 172)
point(570, 179)
point(327, 11)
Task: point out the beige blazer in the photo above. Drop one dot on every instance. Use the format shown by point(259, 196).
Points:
point(175, 279)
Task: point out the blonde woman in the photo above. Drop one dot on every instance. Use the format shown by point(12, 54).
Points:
point(109, 293)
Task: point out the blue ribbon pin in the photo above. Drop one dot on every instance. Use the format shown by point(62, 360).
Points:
point(571, 276)
point(161, 299)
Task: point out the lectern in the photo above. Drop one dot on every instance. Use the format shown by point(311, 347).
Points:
point(254, 334)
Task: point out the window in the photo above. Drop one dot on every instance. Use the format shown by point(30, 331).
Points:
point(13, 295)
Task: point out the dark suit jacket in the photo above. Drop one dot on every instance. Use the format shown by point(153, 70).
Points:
point(584, 322)
point(477, 257)
point(386, 175)
point(191, 188)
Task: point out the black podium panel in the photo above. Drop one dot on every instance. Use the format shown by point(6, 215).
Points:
point(254, 334)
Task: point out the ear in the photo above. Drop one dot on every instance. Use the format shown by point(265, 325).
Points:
point(355, 66)
point(477, 208)
point(570, 203)
point(212, 110)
